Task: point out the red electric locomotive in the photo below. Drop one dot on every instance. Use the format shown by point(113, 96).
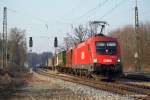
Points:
point(99, 54)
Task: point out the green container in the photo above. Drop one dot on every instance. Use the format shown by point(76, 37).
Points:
point(64, 57)
point(61, 58)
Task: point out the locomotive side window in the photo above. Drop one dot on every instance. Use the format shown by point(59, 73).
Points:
point(100, 47)
point(107, 48)
point(111, 44)
point(111, 47)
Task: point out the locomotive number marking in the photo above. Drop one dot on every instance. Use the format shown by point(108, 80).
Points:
point(107, 60)
point(82, 55)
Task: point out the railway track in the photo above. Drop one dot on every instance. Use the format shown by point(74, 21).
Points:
point(127, 89)
point(136, 77)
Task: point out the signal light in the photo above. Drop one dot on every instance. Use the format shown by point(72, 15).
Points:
point(55, 42)
point(30, 42)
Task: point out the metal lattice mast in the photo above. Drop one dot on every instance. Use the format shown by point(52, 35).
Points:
point(137, 54)
point(4, 44)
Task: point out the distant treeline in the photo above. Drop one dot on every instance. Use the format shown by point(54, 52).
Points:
point(127, 39)
point(35, 59)
point(16, 48)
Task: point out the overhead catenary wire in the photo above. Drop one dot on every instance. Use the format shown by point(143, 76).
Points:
point(112, 9)
point(91, 10)
point(146, 12)
point(107, 13)
point(71, 10)
point(35, 18)
point(44, 21)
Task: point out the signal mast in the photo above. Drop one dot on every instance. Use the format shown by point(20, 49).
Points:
point(4, 40)
point(137, 37)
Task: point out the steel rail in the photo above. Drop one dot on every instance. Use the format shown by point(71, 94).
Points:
point(136, 91)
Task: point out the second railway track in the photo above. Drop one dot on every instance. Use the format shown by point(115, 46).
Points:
point(127, 89)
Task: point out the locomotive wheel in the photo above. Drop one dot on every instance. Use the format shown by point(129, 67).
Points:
point(82, 73)
point(80, 70)
point(89, 75)
point(76, 72)
point(65, 70)
point(85, 71)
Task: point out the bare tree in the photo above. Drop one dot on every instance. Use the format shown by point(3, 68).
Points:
point(90, 30)
point(17, 47)
point(81, 33)
point(78, 36)
point(69, 42)
point(126, 37)
point(0, 50)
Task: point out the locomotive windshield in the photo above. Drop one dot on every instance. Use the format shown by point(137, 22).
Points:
point(107, 48)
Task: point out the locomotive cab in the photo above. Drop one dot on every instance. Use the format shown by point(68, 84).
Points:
point(96, 55)
point(106, 55)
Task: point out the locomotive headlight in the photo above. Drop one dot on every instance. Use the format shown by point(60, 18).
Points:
point(94, 60)
point(118, 60)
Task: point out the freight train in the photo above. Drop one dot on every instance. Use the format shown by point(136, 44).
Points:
point(97, 55)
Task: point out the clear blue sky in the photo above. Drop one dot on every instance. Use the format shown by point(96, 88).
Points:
point(45, 19)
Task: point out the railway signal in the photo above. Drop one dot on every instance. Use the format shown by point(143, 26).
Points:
point(30, 42)
point(55, 42)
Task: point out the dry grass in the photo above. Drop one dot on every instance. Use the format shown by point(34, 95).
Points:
point(9, 83)
point(131, 68)
point(43, 88)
